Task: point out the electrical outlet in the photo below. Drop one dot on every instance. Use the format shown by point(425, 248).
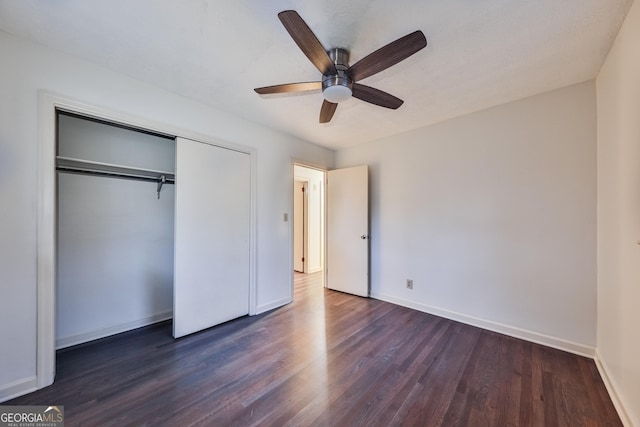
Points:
point(409, 283)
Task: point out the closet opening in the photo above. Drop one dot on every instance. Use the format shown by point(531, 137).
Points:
point(115, 228)
point(122, 194)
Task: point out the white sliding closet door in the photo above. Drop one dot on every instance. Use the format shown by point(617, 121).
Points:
point(212, 236)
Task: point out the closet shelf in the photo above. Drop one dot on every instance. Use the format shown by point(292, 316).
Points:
point(69, 164)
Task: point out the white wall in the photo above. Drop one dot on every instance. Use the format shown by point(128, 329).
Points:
point(493, 217)
point(94, 141)
point(315, 215)
point(28, 68)
point(115, 237)
point(618, 86)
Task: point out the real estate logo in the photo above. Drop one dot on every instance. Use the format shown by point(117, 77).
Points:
point(31, 416)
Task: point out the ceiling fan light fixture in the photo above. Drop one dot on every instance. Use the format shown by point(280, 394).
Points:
point(337, 87)
point(337, 93)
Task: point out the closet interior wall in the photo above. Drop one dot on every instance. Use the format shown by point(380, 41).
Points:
point(115, 236)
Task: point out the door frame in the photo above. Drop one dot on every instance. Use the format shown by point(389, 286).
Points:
point(48, 104)
point(305, 223)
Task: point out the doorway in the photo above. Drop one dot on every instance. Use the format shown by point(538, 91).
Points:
point(308, 219)
point(333, 227)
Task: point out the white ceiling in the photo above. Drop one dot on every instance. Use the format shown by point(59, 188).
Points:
point(480, 53)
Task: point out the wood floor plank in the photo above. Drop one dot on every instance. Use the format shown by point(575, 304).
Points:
point(326, 359)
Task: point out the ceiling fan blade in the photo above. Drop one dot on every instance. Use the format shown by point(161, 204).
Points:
point(307, 41)
point(387, 56)
point(327, 110)
point(289, 87)
point(375, 96)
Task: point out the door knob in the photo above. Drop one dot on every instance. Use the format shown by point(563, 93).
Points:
point(364, 236)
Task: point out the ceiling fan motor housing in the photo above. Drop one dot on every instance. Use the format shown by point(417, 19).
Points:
point(337, 87)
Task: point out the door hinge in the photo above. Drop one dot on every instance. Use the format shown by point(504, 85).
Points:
point(302, 259)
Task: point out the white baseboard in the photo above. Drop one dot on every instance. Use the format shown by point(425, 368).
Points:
point(274, 304)
point(111, 330)
point(18, 388)
point(610, 384)
point(536, 337)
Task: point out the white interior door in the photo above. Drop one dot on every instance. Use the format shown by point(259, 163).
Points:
point(348, 230)
point(298, 226)
point(212, 236)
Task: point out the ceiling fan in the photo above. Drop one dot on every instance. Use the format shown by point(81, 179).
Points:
point(339, 80)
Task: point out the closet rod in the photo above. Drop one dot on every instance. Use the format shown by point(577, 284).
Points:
point(115, 174)
point(71, 165)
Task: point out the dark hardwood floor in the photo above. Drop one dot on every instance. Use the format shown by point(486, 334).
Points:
point(328, 359)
